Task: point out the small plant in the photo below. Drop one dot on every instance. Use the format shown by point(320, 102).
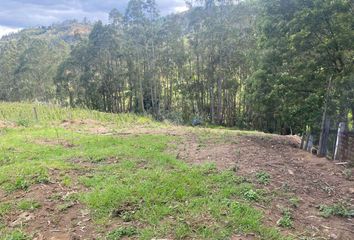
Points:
point(251, 195)
point(286, 221)
point(65, 206)
point(348, 173)
point(338, 210)
point(4, 209)
point(294, 202)
point(21, 184)
point(122, 232)
point(263, 178)
point(28, 205)
point(23, 123)
point(66, 181)
point(15, 235)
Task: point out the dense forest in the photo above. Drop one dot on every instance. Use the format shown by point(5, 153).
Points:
point(271, 65)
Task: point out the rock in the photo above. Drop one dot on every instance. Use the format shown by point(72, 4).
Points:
point(290, 172)
point(333, 236)
point(351, 190)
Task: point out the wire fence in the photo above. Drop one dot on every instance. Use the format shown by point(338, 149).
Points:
point(337, 144)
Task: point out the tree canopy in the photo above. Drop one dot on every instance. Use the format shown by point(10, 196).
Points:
point(271, 65)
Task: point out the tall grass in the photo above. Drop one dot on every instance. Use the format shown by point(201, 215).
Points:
point(34, 113)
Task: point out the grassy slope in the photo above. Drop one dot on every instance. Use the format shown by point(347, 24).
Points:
point(155, 194)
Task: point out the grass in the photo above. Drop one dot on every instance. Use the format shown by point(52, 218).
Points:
point(286, 221)
point(339, 210)
point(263, 178)
point(14, 235)
point(28, 205)
point(121, 232)
point(153, 193)
point(29, 114)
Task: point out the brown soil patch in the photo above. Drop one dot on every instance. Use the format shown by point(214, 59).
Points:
point(54, 142)
point(57, 218)
point(294, 173)
point(170, 131)
point(88, 125)
point(6, 124)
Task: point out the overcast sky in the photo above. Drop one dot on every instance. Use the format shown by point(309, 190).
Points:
point(18, 14)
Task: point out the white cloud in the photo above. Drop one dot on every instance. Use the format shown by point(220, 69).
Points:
point(180, 9)
point(30, 13)
point(7, 30)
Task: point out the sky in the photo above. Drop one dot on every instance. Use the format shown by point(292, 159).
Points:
point(19, 14)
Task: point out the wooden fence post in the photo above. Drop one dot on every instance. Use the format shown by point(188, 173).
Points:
point(341, 130)
point(322, 151)
point(302, 141)
point(308, 134)
point(310, 143)
point(35, 113)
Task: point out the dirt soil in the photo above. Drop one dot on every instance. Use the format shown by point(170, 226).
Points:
point(59, 217)
point(294, 173)
point(87, 125)
point(6, 124)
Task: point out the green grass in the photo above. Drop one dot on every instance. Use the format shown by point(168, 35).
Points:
point(263, 178)
point(13, 235)
point(339, 210)
point(5, 208)
point(28, 205)
point(156, 195)
point(24, 115)
point(286, 221)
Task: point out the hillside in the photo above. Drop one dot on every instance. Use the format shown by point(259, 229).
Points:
point(79, 174)
point(274, 66)
point(29, 59)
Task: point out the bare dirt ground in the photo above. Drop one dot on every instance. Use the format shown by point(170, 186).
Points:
point(60, 216)
point(294, 173)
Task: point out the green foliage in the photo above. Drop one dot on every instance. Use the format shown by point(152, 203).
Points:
point(294, 201)
point(339, 210)
point(286, 221)
point(121, 233)
point(251, 195)
point(4, 209)
point(263, 178)
point(14, 235)
point(28, 205)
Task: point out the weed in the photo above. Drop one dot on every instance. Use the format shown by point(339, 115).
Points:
point(122, 232)
point(286, 221)
point(14, 235)
point(294, 201)
point(23, 123)
point(251, 195)
point(336, 210)
point(4, 209)
point(263, 178)
point(66, 181)
point(65, 206)
point(28, 205)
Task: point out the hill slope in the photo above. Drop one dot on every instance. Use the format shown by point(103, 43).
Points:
point(30, 58)
point(77, 174)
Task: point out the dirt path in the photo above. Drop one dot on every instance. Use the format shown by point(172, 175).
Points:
point(294, 174)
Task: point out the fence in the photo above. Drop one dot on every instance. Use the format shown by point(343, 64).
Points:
point(337, 144)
